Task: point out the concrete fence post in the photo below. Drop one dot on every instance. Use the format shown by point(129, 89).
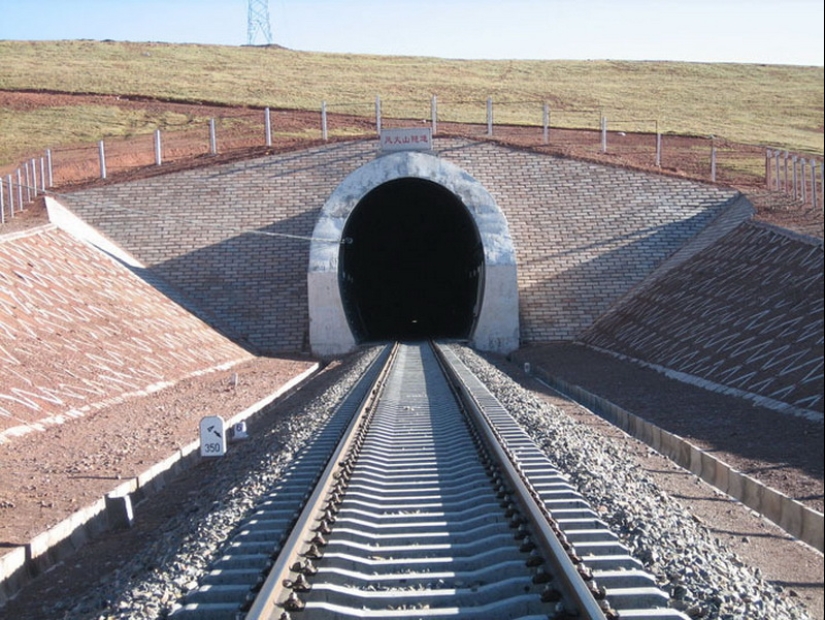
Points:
point(603, 126)
point(42, 161)
point(803, 185)
point(795, 176)
point(19, 191)
point(821, 186)
point(489, 116)
point(27, 181)
point(434, 113)
point(33, 179)
point(213, 138)
point(546, 123)
point(27, 174)
point(712, 160)
point(49, 169)
point(658, 149)
point(11, 194)
point(158, 149)
point(101, 153)
point(778, 175)
point(324, 133)
point(2, 205)
point(267, 128)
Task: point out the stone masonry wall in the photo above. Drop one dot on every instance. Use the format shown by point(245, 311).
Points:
point(585, 234)
point(233, 238)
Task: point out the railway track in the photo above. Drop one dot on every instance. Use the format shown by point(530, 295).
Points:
point(423, 498)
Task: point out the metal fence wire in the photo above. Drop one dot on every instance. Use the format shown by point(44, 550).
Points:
point(582, 133)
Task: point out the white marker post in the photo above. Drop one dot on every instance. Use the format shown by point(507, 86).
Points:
point(239, 432)
point(213, 436)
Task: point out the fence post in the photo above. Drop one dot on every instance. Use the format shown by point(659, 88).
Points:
point(33, 179)
point(267, 127)
point(11, 195)
point(213, 138)
point(803, 187)
point(101, 153)
point(489, 116)
point(49, 167)
point(158, 149)
point(768, 155)
point(712, 159)
point(28, 181)
point(812, 187)
point(2, 205)
point(776, 167)
point(777, 172)
point(546, 123)
point(795, 177)
point(785, 166)
point(378, 115)
point(324, 133)
point(603, 123)
point(658, 146)
point(434, 113)
point(42, 175)
point(19, 191)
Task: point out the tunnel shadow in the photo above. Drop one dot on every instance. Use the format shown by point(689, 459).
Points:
point(250, 287)
point(412, 264)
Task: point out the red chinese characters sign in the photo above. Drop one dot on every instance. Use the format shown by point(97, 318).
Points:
point(407, 139)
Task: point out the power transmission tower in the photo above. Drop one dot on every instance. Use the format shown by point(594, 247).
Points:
point(258, 22)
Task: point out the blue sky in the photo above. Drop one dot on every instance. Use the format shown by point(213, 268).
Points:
point(750, 31)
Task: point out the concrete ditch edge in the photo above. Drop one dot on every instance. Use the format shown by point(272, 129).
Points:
point(798, 520)
point(24, 563)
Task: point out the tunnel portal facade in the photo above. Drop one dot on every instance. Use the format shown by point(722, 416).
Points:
point(407, 247)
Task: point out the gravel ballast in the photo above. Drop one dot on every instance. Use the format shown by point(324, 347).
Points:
point(139, 574)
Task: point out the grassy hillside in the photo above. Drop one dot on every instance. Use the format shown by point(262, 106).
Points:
point(779, 106)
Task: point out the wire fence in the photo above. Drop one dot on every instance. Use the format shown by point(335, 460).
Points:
point(580, 133)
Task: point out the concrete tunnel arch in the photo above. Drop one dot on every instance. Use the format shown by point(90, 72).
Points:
point(334, 301)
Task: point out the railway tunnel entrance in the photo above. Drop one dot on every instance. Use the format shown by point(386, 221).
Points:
point(410, 246)
point(412, 265)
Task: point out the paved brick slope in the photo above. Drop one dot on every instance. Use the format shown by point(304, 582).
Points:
point(232, 242)
point(745, 315)
point(78, 331)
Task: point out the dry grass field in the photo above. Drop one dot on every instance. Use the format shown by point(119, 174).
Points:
point(774, 106)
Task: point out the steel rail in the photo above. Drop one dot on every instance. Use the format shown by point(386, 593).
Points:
point(274, 588)
point(276, 601)
point(414, 516)
point(528, 501)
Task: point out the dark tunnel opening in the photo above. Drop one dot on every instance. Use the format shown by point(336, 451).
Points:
point(414, 266)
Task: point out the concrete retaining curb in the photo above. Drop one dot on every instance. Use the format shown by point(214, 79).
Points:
point(22, 564)
point(793, 517)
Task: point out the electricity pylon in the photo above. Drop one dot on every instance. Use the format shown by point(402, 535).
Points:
point(258, 22)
